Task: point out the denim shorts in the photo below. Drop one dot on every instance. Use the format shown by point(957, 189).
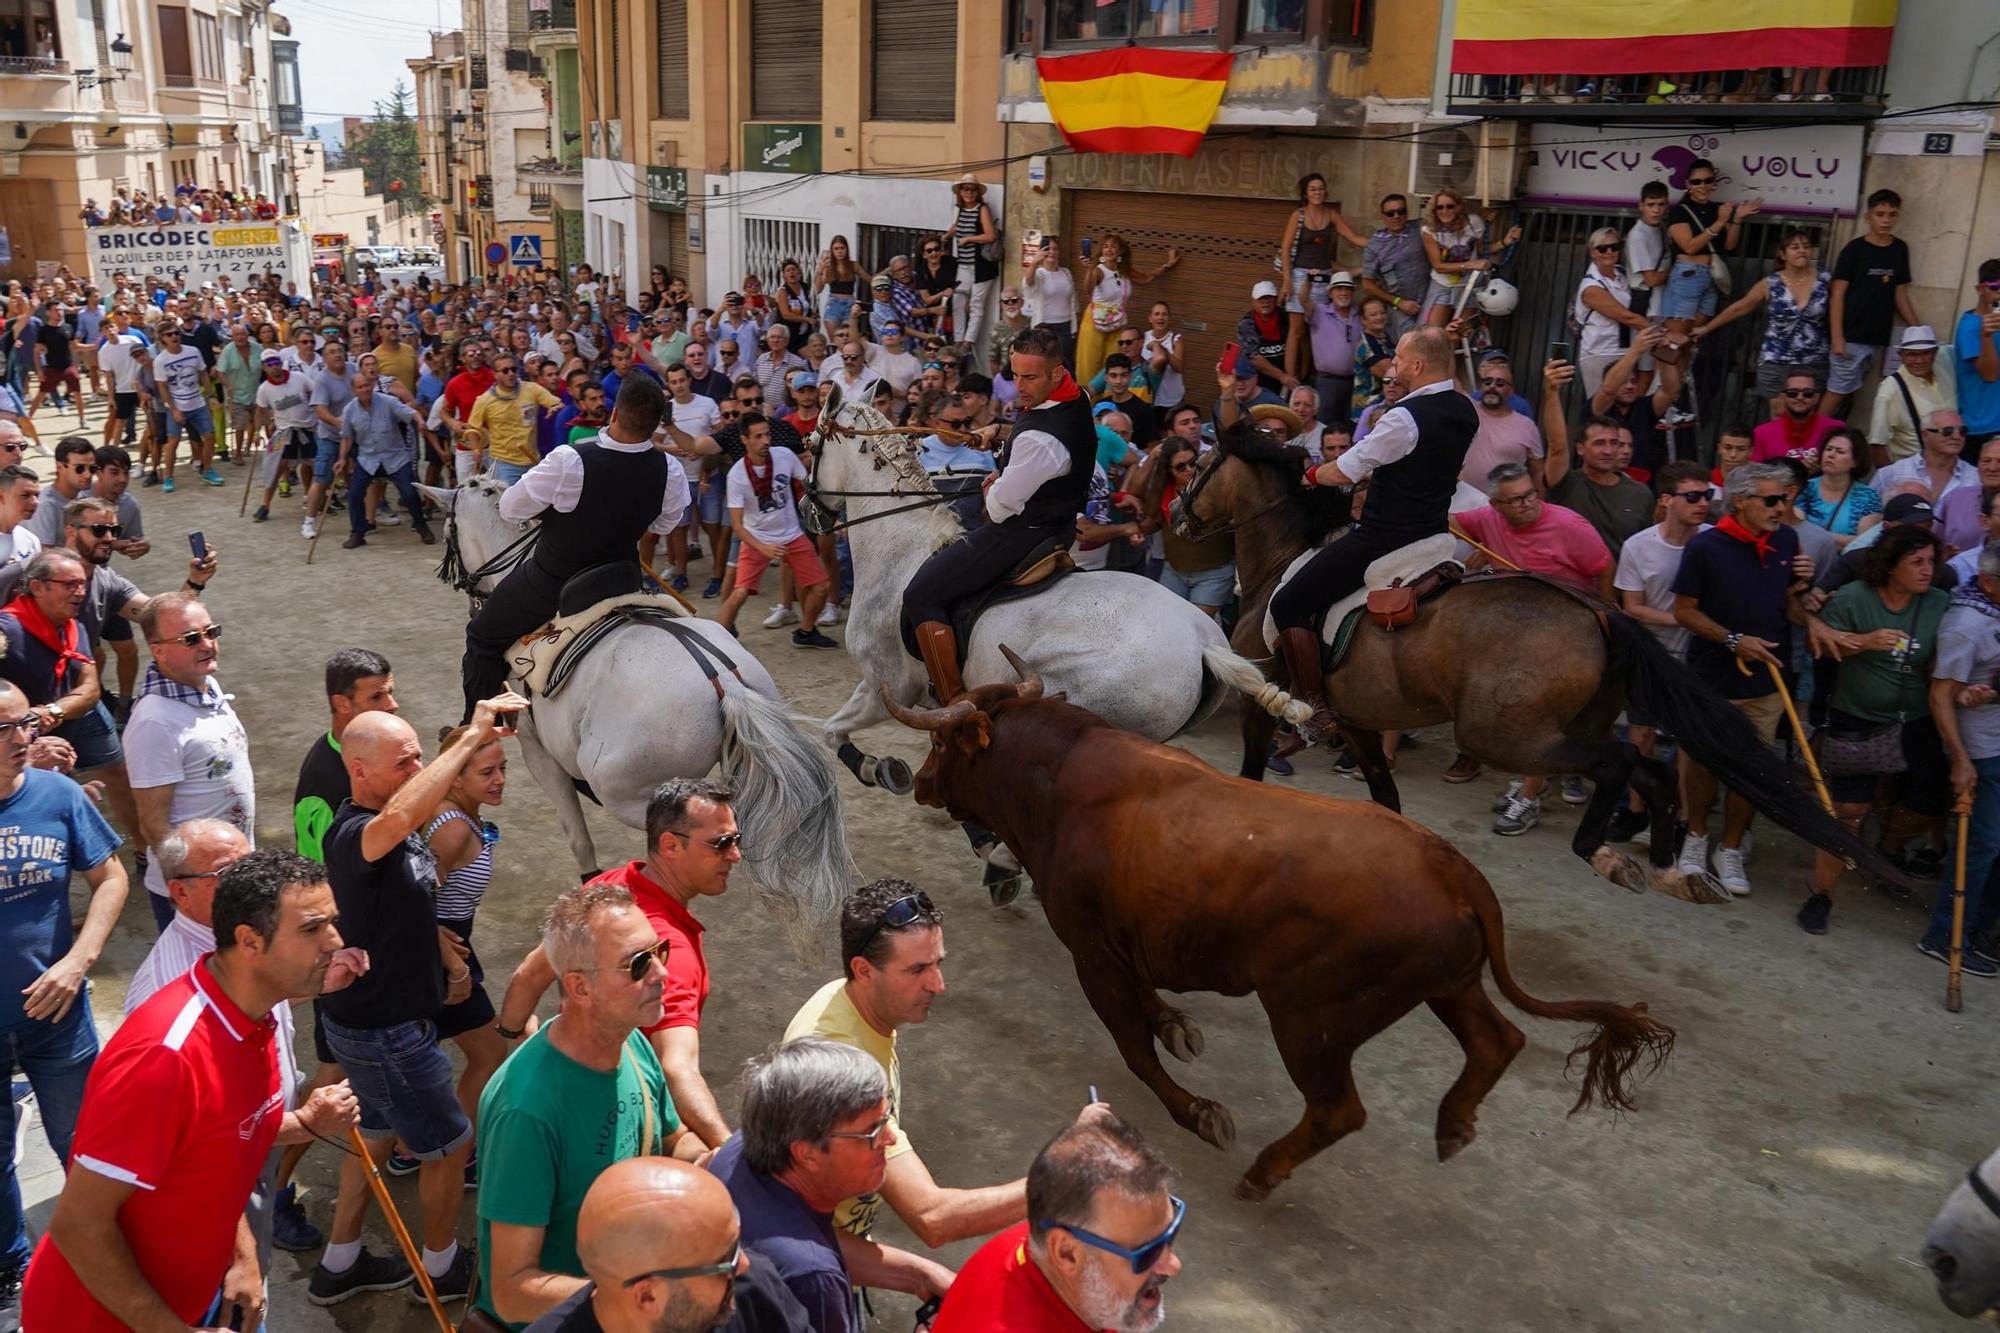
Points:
point(836, 309)
point(404, 1082)
point(198, 422)
point(1203, 587)
point(508, 473)
point(711, 501)
point(1690, 292)
point(94, 737)
point(1846, 373)
point(326, 452)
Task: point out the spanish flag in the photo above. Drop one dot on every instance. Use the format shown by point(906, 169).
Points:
point(1135, 99)
point(1667, 36)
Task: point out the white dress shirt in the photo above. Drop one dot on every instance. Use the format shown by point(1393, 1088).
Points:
point(557, 483)
point(1886, 479)
point(1034, 457)
point(1393, 436)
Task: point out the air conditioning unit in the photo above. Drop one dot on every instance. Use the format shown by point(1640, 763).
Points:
point(1482, 162)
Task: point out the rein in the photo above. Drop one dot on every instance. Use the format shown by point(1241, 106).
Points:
point(821, 517)
point(452, 571)
point(1984, 1191)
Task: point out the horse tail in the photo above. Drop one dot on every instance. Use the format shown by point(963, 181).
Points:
point(1724, 742)
point(1623, 1036)
point(787, 798)
point(1241, 673)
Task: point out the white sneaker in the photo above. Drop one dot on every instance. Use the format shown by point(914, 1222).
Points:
point(1729, 869)
point(387, 517)
point(1694, 855)
point(781, 614)
point(829, 614)
point(310, 528)
point(1500, 801)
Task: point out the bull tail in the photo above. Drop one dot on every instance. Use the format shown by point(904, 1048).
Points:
point(1240, 673)
point(1623, 1037)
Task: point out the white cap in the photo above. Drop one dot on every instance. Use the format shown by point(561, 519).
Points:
point(1264, 289)
point(1918, 338)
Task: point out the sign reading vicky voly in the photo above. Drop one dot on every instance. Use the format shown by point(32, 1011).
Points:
point(192, 252)
point(1814, 169)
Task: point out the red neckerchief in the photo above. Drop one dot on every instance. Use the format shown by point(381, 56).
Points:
point(1731, 527)
point(1065, 391)
point(1275, 330)
point(761, 485)
point(1796, 436)
point(60, 642)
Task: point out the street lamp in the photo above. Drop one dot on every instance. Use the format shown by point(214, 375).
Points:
point(121, 67)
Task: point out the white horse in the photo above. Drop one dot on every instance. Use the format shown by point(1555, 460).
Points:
point(1962, 1249)
point(1122, 646)
point(638, 710)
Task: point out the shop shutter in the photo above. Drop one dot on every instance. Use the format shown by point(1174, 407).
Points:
point(785, 60)
point(1226, 247)
point(671, 25)
point(913, 60)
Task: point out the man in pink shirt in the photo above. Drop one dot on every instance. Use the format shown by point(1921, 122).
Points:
point(1797, 431)
point(1505, 436)
point(1525, 531)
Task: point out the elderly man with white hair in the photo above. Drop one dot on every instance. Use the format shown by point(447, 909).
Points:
point(1939, 462)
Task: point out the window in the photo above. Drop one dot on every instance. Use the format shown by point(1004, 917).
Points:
point(785, 60)
point(1110, 20)
point(913, 61)
point(671, 29)
point(769, 242)
point(1273, 17)
point(207, 47)
point(176, 62)
point(29, 38)
point(876, 244)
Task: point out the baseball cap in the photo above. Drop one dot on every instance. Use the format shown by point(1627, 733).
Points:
point(879, 280)
point(1907, 509)
point(1341, 279)
point(1244, 369)
point(1918, 338)
point(273, 359)
point(804, 379)
point(1104, 408)
point(1264, 289)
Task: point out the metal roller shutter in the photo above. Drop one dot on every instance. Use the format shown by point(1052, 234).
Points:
point(1226, 247)
point(913, 60)
point(671, 25)
point(784, 60)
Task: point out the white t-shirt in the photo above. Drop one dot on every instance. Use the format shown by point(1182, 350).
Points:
point(698, 415)
point(780, 523)
point(203, 753)
point(899, 368)
point(1645, 250)
point(290, 403)
point(1170, 389)
point(1051, 296)
point(19, 546)
point(1647, 565)
point(180, 374)
point(116, 356)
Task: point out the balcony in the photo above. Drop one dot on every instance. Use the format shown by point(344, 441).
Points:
point(540, 199)
point(291, 118)
point(1716, 97)
point(550, 171)
point(476, 73)
point(34, 65)
point(552, 29)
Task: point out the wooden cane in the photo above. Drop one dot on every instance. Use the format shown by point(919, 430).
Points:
point(1792, 716)
point(1480, 547)
point(248, 473)
point(942, 432)
point(668, 588)
point(325, 503)
point(409, 1247)
point(1954, 979)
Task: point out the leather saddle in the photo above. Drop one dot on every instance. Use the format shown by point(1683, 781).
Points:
point(1037, 571)
point(590, 606)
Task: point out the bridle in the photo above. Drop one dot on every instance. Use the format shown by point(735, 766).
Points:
point(1984, 1191)
point(821, 518)
point(451, 568)
point(1190, 528)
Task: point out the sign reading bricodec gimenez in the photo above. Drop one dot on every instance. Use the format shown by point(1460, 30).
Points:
point(191, 252)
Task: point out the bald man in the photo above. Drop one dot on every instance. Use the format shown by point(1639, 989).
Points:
point(379, 1028)
point(662, 1245)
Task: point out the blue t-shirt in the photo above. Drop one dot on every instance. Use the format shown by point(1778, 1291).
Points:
point(797, 1242)
point(1978, 401)
point(48, 830)
point(31, 664)
point(936, 456)
point(1745, 594)
point(1111, 448)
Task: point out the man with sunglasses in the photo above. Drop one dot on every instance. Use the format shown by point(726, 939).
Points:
point(1939, 463)
point(583, 1092)
point(1096, 1249)
point(76, 464)
point(1394, 267)
point(185, 380)
point(1797, 431)
point(816, 1129)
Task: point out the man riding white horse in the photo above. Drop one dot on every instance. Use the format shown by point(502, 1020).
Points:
point(1042, 485)
point(595, 498)
point(1411, 461)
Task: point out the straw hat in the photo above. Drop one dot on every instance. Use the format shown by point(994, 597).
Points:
point(969, 179)
point(1293, 423)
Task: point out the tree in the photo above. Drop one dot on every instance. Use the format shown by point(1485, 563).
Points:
point(387, 153)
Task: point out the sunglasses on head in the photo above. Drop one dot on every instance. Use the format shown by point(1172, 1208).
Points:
point(1143, 1257)
point(909, 908)
point(193, 637)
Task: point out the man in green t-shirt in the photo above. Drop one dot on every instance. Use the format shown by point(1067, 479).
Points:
point(582, 1092)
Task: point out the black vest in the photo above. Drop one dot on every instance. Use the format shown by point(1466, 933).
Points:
point(1060, 499)
point(622, 494)
point(1411, 497)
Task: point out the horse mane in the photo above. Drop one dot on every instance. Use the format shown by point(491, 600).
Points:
point(898, 453)
point(1311, 514)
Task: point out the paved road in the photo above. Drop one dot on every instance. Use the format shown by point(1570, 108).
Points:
point(1778, 1174)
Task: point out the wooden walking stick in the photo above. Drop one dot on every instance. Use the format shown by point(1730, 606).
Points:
point(325, 504)
point(409, 1247)
point(1953, 980)
point(1799, 731)
point(249, 472)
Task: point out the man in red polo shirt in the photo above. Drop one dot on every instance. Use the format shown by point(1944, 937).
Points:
point(474, 377)
point(1096, 1249)
point(179, 1114)
point(691, 831)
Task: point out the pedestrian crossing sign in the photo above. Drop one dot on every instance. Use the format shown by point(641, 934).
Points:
point(526, 250)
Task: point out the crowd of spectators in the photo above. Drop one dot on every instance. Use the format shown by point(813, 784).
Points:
point(188, 202)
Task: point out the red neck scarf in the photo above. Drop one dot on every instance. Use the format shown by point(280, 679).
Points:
point(760, 483)
point(1798, 432)
point(1731, 527)
point(60, 642)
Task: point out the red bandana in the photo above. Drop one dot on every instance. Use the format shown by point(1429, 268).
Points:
point(1731, 527)
point(60, 642)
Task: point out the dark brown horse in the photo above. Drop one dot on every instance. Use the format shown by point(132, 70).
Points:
point(1530, 675)
point(1156, 872)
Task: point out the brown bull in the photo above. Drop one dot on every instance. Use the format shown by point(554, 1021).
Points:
point(1157, 872)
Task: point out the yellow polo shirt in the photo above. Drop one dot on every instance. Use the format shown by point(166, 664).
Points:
point(509, 423)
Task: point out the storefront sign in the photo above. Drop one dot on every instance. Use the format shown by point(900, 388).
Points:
point(1255, 171)
point(190, 252)
point(667, 189)
point(1807, 169)
point(769, 147)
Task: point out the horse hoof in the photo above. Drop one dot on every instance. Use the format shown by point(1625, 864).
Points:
point(1213, 1123)
point(893, 776)
point(1619, 868)
point(1700, 888)
point(1002, 886)
point(1178, 1033)
point(1453, 1141)
point(1250, 1191)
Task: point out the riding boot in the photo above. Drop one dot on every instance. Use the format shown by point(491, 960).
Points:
point(1301, 648)
point(939, 647)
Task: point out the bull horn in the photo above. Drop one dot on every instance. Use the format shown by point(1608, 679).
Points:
point(929, 719)
point(1030, 687)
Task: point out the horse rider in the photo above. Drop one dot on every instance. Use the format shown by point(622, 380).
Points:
point(1042, 485)
point(1411, 461)
point(595, 499)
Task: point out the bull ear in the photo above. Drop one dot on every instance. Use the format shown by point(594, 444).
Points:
point(443, 499)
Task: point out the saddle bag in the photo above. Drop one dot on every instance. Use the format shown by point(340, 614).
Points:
point(1394, 606)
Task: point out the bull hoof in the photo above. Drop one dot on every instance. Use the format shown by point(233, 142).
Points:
point(1250, 1191)
point(1700, 888)
point(1178, 1033)
point(1213, 1123)
point(1454, 1140)
point(1619, 868)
